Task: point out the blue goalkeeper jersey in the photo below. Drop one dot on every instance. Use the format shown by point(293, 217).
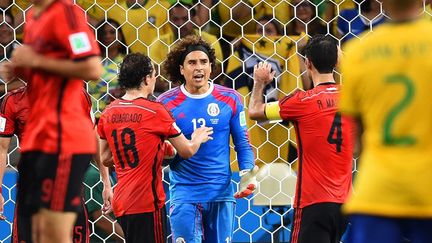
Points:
point(206, 176)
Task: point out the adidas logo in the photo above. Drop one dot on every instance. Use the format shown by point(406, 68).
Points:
point(181, 115)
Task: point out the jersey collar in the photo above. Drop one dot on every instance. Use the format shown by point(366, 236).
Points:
point(200, 96)
point(326, 83)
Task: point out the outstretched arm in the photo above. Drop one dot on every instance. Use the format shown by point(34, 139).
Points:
point(88, 69)
point(187, 148)
point(263, 75)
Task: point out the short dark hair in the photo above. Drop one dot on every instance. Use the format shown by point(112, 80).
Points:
point(133, 70)
point(322, 51)
point(176, 55)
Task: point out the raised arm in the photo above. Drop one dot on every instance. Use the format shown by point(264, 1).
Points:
point(263, 75)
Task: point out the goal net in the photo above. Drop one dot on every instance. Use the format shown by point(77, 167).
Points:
point(242, 34)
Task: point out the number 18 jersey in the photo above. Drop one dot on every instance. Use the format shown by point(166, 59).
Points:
point(135, 131)
point(324, 142)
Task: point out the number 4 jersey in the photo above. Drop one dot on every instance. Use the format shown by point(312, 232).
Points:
point(324, 142)
point(135, 131)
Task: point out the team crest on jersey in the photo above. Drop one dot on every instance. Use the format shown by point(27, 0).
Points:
point(79, 43)
point(213, 109)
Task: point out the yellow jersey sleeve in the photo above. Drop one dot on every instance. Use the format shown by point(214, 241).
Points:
point(349, 66)
point(272, 111)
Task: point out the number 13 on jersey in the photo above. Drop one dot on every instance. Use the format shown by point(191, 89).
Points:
point(200, 122)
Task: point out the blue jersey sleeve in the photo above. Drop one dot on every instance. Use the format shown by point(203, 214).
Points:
point(238, 127)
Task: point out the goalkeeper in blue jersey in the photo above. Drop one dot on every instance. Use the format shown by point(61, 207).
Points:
point(202, 195)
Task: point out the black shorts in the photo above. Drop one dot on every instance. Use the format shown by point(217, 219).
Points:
point(22, 227)
point(51, 181)
point(144, 227)
point(318, 223)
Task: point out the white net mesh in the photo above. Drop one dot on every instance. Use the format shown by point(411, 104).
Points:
point(242, 33)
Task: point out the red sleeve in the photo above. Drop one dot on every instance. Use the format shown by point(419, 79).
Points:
point(7, 117)
point(166, 125)
point(74, 34)
point(292, 107)
point(100, 127)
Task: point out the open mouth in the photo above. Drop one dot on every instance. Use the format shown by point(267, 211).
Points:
point(198, 77)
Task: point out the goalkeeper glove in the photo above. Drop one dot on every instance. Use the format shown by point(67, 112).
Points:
point(248, 182)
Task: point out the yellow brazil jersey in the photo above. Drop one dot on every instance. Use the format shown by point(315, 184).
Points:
point(160, 48)
point(142, 25)
point(97, 8)
point(270, 141)
point(236, 27)
point(387, 81)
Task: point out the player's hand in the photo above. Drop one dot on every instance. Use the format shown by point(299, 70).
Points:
point(25, 56)
point(2, 217)
point(263, 73)
point(203, 134)
point(107, 195)
point(169, 150)
point(7, 71)
point(248, 183)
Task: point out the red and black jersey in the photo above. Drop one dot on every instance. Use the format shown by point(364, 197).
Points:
point(325, 145)
point(135, 131)
point(56, 124)
point(14, 111)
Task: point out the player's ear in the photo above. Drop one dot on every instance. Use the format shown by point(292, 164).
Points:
point(181, 70)
point(308, 63)
point(145, 81)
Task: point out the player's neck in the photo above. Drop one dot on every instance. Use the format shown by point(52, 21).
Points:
point(197, 90)
point(40, 6)
point(322, 78)
point(135, 94)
